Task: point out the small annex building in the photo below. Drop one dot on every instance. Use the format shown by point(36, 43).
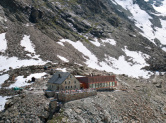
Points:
point(98, 82)
point(63, 81)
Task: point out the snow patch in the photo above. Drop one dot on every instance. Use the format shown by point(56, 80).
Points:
point(163, 23)
point(117, 66)
point(110, 41)
point(148, 47)
point(14, 62)
point(3, 100)
point(81, 48)
point(71, 25)
point(142, 21)
point(60, 43)
point(137, 57)
point(160, 32)
point(21, 81)
point(3, 42)
point(29, 24)
point(121, 66)
point(92, 61)
point(62, 69)
point(63, 58)
point(78, 76)
point(27, 43)
point(114, 2)
point(96, 42)
point(161, 9)
point(3, 78)
point(164, 49)
point(3, 19)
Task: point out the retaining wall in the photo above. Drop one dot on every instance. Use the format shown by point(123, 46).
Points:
point(64, 97)
point(50, 93)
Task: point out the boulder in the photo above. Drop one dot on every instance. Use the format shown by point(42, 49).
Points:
point(8, 104)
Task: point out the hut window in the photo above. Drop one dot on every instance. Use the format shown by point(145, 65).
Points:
point(93, 85)
point(74, 81)
point(105, 84)
point(70, 76)
point(113, 84)
point(65, 82)
point(97, 85)
point(100, 85)
point(71, 86)
point(74, 86)
point(110, 83)
point(66, 87)
point(69, 82)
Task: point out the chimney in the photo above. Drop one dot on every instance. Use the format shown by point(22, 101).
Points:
point(59, 75)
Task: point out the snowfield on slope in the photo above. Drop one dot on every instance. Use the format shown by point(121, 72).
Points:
point(63, 58)
point(103, 42)
point(27, 43)
point(21, 81)
point(3, 100)
point(14, 62)
point(110, 41)
point(3, 42)
point(62, 69)
point(161, 9)
point(3, 78)
point(117, 66)
point(142, 21)
point(96, 42)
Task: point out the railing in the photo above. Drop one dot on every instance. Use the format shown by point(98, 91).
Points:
point(76, 91)
point(65, 96)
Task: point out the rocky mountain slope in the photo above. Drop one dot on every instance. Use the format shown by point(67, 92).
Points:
point(142, 100)
point(98, 34)
point(122, 37)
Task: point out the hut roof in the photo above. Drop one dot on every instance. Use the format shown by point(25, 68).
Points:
point(59, 77)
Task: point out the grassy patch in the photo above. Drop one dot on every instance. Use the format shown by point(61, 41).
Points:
point(57, 118)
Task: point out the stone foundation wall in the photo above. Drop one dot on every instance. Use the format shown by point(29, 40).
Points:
point(50, 93)
point(63, 97)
